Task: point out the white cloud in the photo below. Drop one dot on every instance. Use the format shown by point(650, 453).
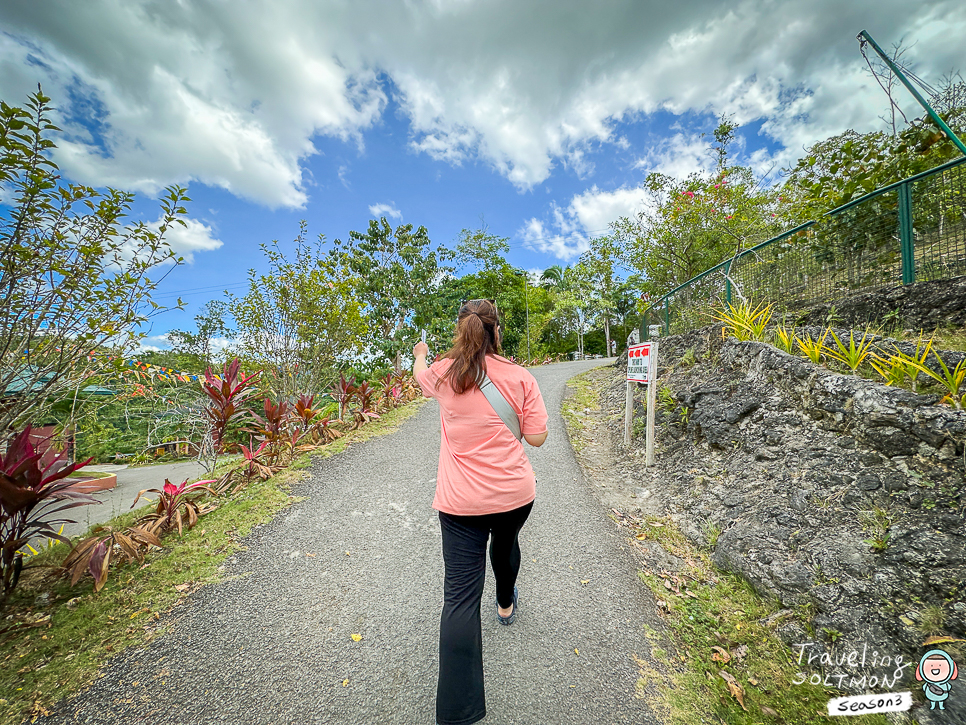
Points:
point(568, 232)
point(195, 236)
point(233, 94)
point(154, 343)
point(381, 210)
point(678, 156)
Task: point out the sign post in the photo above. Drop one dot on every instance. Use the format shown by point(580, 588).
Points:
point(641, 368)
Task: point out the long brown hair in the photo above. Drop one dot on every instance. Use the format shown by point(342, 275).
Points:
point(476, 336)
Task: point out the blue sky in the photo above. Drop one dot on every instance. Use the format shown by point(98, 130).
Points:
point(541, 117)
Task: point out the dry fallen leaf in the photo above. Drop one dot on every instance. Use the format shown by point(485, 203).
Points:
point(312, 555)
point(768, 711)
point(345, 683)
point(356, 637)
point(585, 581)
point(181, 587)
point(720, 655)
point(735, 688)
point(753, 681)
point(576, 651)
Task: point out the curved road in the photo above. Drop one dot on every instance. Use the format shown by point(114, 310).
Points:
point(272, 644)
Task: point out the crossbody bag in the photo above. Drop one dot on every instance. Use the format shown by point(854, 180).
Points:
point(503, 409)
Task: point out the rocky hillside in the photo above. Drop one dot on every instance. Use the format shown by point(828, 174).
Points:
point(838, 496)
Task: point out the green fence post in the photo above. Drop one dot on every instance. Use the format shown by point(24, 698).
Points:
point(906, 234)
point(667, 317)
point(728, 284)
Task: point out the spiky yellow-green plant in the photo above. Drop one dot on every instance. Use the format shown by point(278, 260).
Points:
point(743, 321)
point(812, 349)
point(852, 355)
point(900, 366)
point(784, 338)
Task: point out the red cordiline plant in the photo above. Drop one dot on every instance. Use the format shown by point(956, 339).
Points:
point(366, 412)
point(274, 426)
point(391, 390)
point(342, 392)
point(227, 400)
point(254, 465)
point(177, 505)
point(305, 412)
point(94, 554)
point(29, 493)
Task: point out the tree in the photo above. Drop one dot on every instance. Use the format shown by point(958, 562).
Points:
point(484, 251)
point(694, 224)
point(299, 320)
point(396, 275)
point(551, 276)
point(200, 345)
point(598, 266)
point(75, 276)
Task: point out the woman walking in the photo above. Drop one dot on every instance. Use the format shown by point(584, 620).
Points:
point(484, 491)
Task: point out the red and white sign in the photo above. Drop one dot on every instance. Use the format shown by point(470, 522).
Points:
point(639, 367)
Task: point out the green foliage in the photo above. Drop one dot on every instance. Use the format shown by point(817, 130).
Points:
point(852, 355)
point(952, 381)
point(299, 320)
point(77, 276)
point(196, 350)
point(784, 338)
point(876, 523)
point(694, 224)
point(395, 277)
point(812, 349)
point(665, 398)
point(744, 321)
point(900, 366)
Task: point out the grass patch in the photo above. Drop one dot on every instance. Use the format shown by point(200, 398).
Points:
point(65, 634)
point(719, 630)
point(583, 394)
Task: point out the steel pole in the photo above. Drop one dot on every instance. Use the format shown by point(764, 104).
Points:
point(526, 301)
point(864, 36)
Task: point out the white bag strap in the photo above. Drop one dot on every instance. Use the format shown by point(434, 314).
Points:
point(503, 409)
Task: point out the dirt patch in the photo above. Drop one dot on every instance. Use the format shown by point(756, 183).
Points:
point(616, 474)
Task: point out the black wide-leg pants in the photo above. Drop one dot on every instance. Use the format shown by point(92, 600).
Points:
point(459, 693)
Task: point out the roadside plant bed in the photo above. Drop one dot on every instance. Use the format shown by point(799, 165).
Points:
point(720, 657)
point(54, 638)
point(839, 497)
point(724, 659)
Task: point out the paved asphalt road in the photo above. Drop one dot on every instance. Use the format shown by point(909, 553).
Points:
point(272, 643)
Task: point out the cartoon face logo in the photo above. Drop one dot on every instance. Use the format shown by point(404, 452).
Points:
point(936, 670)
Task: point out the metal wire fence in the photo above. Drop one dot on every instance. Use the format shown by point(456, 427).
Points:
point(913, 230)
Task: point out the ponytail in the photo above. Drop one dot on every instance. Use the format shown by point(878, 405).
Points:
point(476, 336)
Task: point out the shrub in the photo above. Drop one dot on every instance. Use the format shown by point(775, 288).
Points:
point(93, 555)
point(227, 398)
point(29, 493)
point(176, 506)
